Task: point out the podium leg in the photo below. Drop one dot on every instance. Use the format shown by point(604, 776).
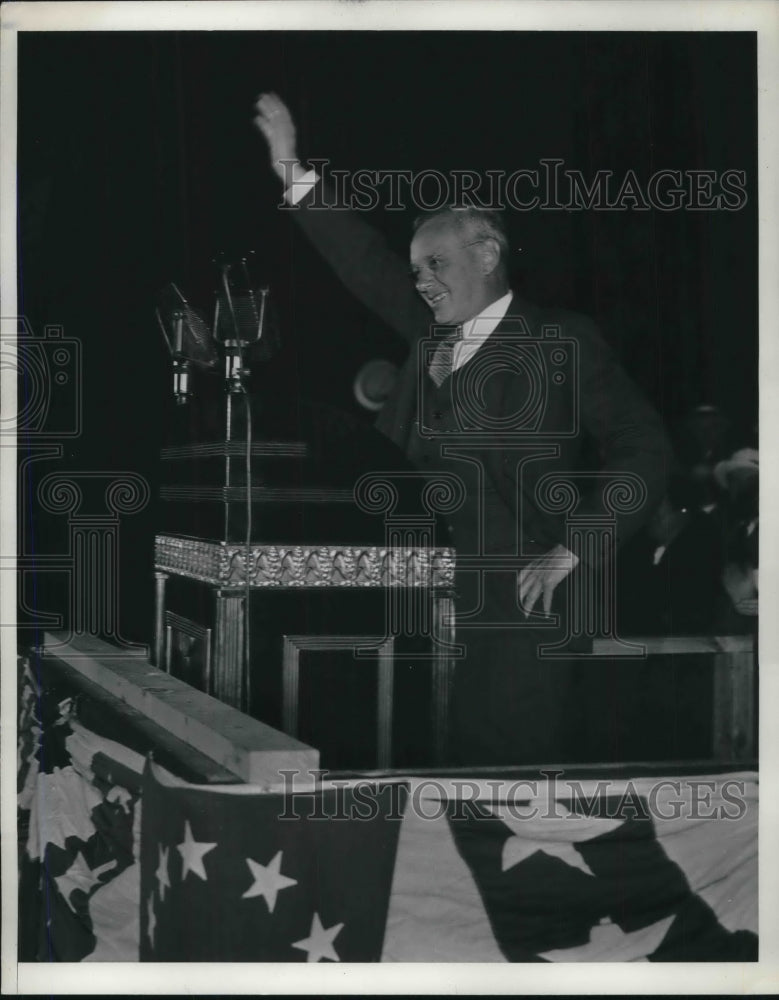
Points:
point(443, 640)
point(228, 679)
point(160, 579)
point(734, 718)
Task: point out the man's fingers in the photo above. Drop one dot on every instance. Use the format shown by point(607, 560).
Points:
point(525, 588)
point(541, 577)
point(548, 591)
point(534, 583)
point(530, 594)
point(272, 106)
point(264, 112)
point(532, 599)
point(521, 578)
point(526, 577)
point(268, 100)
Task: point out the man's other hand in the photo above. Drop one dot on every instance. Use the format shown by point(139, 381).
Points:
point(275, 122)
point(541, 577)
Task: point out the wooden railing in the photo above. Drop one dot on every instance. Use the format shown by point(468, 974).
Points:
point(734, 716)
point(192, 728)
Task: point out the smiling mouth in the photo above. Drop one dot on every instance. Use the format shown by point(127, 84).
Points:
point(437, 298)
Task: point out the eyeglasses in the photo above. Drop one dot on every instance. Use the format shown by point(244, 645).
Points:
point(436, 263)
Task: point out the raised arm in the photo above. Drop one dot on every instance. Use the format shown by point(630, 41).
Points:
point(359, 254)
point(275, 122)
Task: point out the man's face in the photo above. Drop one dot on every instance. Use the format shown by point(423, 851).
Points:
point(447, 272)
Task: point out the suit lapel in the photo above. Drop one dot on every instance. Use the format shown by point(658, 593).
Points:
point(400, 411)
point(522, 320)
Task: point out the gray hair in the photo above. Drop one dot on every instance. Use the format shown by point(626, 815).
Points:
point(478, 224)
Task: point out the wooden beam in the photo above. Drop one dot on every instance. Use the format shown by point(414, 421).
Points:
point(105, 715)
point(658, 645)
point(250, 749)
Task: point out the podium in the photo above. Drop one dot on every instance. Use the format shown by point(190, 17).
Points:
point(303, 577)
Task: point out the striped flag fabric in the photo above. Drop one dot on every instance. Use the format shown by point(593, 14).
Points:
point(650, 869)
point(78, 800)
point(122, 861)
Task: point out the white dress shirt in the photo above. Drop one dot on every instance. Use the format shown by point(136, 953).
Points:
point(476, 330)
point(300, 188)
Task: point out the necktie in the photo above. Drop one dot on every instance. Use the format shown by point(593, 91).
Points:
point(441, 366)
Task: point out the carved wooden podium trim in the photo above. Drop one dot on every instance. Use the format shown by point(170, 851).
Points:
point(227, 564)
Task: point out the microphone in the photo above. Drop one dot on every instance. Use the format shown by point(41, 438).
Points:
point(243, 318)
point(186, 336)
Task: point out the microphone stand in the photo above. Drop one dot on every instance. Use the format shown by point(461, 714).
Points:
point(236, 372)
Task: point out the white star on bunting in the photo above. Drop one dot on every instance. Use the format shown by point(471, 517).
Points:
point(608, 942)
point(268, 880)
point(192, 852)
point(162, 872)
point(319, 943)
point(516, 849)
point(81, 876)
point(560, 831)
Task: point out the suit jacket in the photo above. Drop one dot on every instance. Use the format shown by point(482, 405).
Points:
point(599, 404)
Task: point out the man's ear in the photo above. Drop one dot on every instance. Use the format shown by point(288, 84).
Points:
point(489, 251)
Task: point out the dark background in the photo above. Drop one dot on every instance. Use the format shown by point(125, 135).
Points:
point(138, 162)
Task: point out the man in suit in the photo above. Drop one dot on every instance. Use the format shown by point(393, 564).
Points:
point(449, 412)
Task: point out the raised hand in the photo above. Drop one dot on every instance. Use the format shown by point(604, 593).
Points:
point(275, 122)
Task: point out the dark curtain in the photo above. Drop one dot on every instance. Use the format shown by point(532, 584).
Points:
point(138, 163)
